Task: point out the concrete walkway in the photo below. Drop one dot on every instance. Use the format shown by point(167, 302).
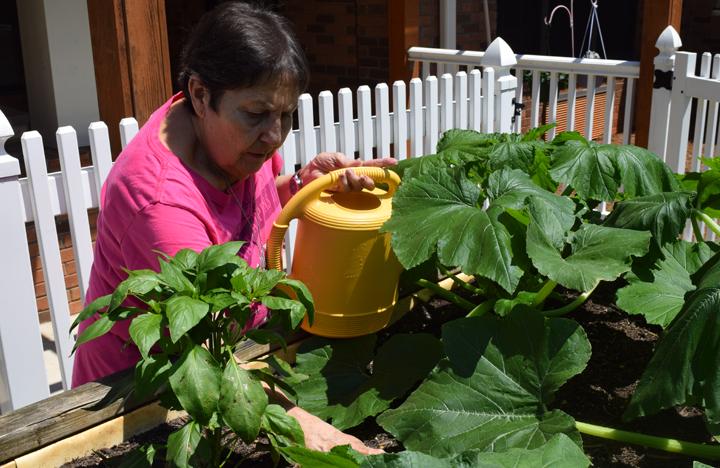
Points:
point(52, 365)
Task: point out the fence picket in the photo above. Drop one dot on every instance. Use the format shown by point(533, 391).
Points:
point(712, 118)
point(446, 102)
point(128, 130)
point(476, 100)
point(49, 247)
point(700, 115)
point(75, 201)
point(535, 100)
point(519, 72)
point(347, 127)
point(488, 118)
point(308, 142)
point(553, 103)
point(609, 106)
point(590, 109)
point(416, 118)
point(365, 130)
point(101, 154)
point(400, 134)
point(461, 101)
point(679, 112)
point(431, 114)
point(572, 100)
point(328, 141)
point(628, 115)
point(289, 155)
point(382, 120)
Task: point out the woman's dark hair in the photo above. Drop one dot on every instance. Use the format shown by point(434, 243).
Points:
point(238, 45)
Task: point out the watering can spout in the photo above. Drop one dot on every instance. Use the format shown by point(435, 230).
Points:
point(340, 254)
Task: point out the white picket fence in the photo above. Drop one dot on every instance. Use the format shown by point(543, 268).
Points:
point(478, 98)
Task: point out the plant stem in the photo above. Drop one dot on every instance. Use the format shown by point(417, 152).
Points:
point(445, 294)
point(458, 282)
point(481, 309)
point(544, 293)
point(709, 222)
point(696, 229)
point(661, 443)
point(569, 307)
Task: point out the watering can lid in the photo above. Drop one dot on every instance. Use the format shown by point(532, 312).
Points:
point(364, 210)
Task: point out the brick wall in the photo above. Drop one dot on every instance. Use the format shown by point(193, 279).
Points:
point(68, 265)
point(700, 29)
point(346, 41)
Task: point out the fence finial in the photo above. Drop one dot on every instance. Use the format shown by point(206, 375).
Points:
point(6, 132)
point(668, 42)
point(499, 55)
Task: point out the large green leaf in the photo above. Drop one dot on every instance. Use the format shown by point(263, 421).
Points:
point(196, 383)
point(242, 401)
point(663, 214)
point(295, 308)
point(597, 171)
point(182, 444)
point(174, 278)
point(95, 330)
point(303, 295)
point(598, 253)
point(492, 391)
point(559, 452)
point(439, 213)
point(334, 382)
point(306, 457)
point(183, 313)
point(685, 368)
point(285, 431)
point(145, 331)
point(217, 255)
point(660, 300)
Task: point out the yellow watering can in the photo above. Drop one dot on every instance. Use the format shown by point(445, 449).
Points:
point(340, 255)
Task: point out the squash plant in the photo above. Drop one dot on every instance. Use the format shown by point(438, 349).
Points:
point(523, 215)
point(187, 321)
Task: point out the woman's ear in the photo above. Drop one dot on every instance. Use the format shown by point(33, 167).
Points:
point(199, 95)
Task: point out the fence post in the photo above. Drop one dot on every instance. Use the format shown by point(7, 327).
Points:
point(501, 58)
point(22, 369)
point(680, 103)
point(668, 43)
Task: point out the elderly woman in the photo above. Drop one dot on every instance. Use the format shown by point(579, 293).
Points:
point(204, 170)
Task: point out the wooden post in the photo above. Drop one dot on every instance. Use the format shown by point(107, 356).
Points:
point(132, 63)
point(657, 15)
point(403, 33)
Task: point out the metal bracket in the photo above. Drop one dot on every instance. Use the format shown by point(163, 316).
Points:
point(517, 109)
point(663, 80)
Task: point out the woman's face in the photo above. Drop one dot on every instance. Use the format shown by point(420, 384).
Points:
point(248, 126)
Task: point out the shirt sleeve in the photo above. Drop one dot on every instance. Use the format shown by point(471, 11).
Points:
point(161, 228)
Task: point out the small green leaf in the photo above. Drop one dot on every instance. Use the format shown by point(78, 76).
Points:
point(151, 373)
point(196, 383)
point(145, 331)
point(242, 402)
point(174, 278)
point(295, 308)
point(306, 457)
point(338, 385)
point(95, 306)
point(183, 313)
point(282, 426)
point(141, 282)
point(182, 443)
point(217, 255)
point(185, 259)
point(303, 295)
point(95, 330)
point(141, 457)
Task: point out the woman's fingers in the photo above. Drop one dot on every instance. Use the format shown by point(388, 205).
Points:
point(382, 162)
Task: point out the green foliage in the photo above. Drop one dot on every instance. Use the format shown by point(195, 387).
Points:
point(333, 379)
point(493, 391)
point(196, 308)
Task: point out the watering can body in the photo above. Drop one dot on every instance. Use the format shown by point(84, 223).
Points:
point(346, 263)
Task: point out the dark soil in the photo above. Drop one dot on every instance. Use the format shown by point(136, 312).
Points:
point(622, 345)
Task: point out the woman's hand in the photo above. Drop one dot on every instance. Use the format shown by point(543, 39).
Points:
point(322, 436)
point(349, 181)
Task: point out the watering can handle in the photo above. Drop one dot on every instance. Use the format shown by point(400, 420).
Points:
point(297, 203)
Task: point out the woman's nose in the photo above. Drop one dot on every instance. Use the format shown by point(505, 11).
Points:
point(273, 133)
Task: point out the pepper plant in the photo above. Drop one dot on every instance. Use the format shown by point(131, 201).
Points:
point(188, 319)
